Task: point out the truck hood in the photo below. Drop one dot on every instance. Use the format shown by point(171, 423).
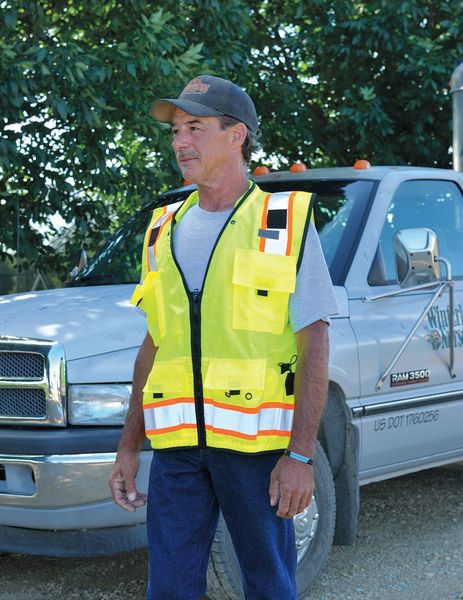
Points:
point(87, 321)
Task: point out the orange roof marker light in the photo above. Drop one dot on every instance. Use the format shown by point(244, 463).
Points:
point(261, 170)
point(298, 167)
point(187, 182)
point(362, 164)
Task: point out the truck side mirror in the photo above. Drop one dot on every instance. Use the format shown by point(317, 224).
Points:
point(415, 253)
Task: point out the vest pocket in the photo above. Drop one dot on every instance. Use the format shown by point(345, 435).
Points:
point(261, 286)
point(239, 407)
point(235, 381)
point(150, 298)
point(169, 378)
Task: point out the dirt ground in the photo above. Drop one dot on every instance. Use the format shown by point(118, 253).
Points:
point(409, 547)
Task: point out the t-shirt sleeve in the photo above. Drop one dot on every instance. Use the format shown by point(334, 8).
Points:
point(314, 296)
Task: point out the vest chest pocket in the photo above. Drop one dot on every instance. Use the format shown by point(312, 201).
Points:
point(149, 297)
point(262, 283)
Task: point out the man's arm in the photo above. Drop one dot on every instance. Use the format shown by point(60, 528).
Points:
point(291, 482)
point(122, 478)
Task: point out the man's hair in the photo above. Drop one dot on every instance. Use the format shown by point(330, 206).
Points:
point(251, 142)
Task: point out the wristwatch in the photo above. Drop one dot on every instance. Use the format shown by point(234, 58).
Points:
point(304, 459)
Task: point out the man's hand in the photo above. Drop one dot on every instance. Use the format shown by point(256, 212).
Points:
point(122, 482)
point(291, 485)
point(122, 478)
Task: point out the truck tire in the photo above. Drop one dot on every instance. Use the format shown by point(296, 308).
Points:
point(314, 530)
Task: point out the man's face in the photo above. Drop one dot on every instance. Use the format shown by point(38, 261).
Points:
point(202, 148)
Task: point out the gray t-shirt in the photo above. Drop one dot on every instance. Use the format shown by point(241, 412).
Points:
point(195, 236)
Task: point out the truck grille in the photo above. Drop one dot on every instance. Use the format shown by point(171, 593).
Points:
point(32, 382)
point(28, 365)
point(17, 402)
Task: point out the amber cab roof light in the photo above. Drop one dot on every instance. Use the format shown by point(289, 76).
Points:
point(298, 167)
point(261, 170)
point(361, 164)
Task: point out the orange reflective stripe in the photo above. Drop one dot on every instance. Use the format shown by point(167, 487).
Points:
point(243, 409)
point(275, 432)
point(164, 210)
point(263, 224)
point(167, 402)
point(167, 220)
point(148, 269)
point(290, 223)
point(246, 410)
point(246, 436)
point(170, 429)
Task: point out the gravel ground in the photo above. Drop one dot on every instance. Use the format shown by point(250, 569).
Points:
point(409, 547)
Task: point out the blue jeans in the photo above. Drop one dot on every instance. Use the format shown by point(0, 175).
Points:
point(186, 490)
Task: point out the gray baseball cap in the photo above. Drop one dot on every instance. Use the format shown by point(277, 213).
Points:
point(208, 96)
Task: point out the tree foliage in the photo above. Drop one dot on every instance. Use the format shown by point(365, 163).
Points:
point(77, 79)
point(340, 79)
point(333, 80)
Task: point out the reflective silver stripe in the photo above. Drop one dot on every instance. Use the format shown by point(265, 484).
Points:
point(153, 238)
point(276, 239)
point(152, 259)
point(167, 416)
point(270, 419)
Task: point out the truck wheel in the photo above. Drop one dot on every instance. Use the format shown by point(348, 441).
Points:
point(314, 529)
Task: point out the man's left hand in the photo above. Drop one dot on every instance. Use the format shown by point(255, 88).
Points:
point(291, 486)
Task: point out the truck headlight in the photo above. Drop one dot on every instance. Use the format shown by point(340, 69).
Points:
point(98, 403)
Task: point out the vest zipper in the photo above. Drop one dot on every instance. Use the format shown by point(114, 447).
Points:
point(195, 320)
point(194, 299)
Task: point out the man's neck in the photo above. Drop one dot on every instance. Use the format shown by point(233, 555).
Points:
point(222, 193)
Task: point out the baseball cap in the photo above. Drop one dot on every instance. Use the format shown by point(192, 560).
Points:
point(209, 96)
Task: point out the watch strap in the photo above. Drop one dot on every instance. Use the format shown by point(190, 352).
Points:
point(301, 458)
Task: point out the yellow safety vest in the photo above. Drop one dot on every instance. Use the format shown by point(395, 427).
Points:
point(223, 373)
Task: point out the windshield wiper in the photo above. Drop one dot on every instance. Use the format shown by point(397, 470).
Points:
point(95, 279)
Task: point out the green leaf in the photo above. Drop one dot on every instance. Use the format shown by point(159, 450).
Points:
point(9, 53)
point(10, 19)
point(17, 100)
point(62, 109)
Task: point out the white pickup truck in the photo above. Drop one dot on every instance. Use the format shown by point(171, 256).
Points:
point(393, 240)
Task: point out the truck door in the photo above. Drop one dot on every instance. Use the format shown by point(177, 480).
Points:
point(416, 416)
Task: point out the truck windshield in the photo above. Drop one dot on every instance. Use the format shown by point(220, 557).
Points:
point(340, 210)
point(119, 261)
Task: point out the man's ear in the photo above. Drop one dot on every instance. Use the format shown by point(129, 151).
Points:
point(240, 132)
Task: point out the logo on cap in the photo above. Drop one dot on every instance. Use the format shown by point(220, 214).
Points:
point(196, 86)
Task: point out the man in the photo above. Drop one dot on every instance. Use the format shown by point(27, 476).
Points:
point(232, 417)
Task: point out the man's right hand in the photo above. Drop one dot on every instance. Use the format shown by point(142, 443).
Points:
point(122, 482)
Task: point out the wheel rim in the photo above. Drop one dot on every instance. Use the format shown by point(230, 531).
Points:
point(305, 526)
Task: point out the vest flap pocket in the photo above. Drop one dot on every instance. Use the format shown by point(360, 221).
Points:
point(137, 295)
point(262, 271)
point(150, 298)
point(144, 288)
point(235, 374)
point(170, 377)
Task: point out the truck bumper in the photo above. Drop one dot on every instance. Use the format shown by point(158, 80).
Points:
point(59, 501)
point(77, 543)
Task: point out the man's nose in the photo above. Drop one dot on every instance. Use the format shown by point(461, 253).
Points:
point(180, 141)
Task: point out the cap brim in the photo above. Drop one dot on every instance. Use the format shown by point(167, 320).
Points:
point(163, 110)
